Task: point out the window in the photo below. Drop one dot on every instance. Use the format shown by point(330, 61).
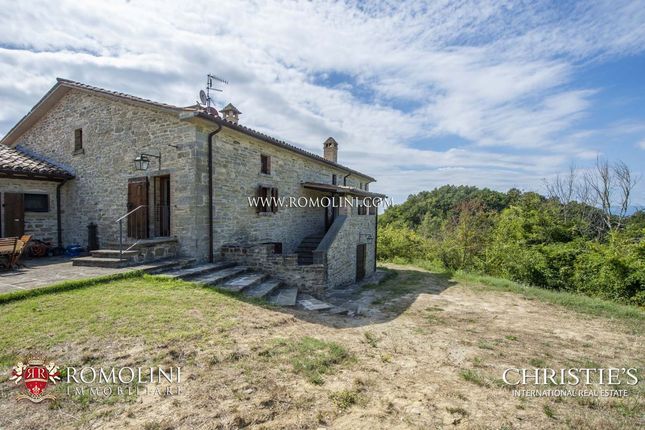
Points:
point(360, 185)
point(367, 187)
point(78, 141)
point(362, 210)
point(36, 203)
point(334, 179)
point(266, 164)
point(267, 200)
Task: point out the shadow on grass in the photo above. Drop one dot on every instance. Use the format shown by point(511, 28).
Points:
point(384, 301)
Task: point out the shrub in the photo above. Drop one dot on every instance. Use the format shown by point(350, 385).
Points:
point(401, 242)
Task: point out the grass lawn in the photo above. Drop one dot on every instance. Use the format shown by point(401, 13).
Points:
point(431, 357)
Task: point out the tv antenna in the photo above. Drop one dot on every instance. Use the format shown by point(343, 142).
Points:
point(205, 96)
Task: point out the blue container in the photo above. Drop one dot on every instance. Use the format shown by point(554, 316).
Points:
point(74, 250)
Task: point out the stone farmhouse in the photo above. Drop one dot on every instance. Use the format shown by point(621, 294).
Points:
point(135, 180)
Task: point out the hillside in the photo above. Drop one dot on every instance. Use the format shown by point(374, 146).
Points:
point(521, 236)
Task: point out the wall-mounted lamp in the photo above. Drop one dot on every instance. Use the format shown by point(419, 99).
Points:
point(142, 162)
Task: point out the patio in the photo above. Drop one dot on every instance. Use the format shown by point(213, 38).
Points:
point(46, 271)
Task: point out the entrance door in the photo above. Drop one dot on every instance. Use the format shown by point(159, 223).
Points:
point(361, 255)
point(14, 214)
point(162, 206)
point(138, 196)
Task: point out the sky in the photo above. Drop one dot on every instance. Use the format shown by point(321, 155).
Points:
point(495, 94)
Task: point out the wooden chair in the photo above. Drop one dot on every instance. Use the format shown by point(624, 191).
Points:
point(8, 247)
point(21, 247)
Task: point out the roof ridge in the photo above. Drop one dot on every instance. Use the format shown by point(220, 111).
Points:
point(84, 86)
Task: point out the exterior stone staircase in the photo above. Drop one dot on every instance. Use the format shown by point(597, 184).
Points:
point(141, 252)
point(306, 249)
point(228, 276)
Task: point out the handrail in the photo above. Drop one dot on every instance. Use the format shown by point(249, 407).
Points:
point(120, 221)
point(132, 211)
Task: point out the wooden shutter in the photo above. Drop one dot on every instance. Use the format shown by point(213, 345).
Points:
point(258, 195)
point(274, 203)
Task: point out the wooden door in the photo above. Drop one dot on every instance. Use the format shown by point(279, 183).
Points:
point(138, 196)
point(14, 214)
point(361, 255)
point(162, 206)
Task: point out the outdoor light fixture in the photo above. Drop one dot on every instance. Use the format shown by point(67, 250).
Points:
point(142, 162)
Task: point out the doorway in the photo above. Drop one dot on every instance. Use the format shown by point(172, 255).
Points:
point(138, 196)
point(162, 205)
point(14, 214)
point(361, 256)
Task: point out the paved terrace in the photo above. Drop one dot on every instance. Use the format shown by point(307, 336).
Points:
point(46, 271)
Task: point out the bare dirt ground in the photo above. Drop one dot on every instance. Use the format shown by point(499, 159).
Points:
point(432, 357)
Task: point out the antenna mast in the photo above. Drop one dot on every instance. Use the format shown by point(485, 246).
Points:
point(210, 87)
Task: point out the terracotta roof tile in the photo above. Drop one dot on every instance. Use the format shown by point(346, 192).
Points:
point(17, 162)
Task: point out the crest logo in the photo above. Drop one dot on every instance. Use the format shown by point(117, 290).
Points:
point(35, 376)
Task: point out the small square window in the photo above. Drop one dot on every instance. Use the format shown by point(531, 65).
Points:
point(78, 141)
point(265, 161)
point(36, 202)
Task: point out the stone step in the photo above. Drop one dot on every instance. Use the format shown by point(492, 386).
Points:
point(201, 269)
point(112, 253)
point(239, 283)
point(264, 289)
point(284, 296)
point(311, 303)
point(160, 266)
point(99, 262)
point(337, 310)
point(221, 276)
point(140, 243)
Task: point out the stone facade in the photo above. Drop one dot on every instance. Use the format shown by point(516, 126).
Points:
point(237, 177)
point(41, 225)
point(115, 132)
point(341, 255)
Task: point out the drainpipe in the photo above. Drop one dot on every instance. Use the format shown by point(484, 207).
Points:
point(58, 214)
point(210, 191)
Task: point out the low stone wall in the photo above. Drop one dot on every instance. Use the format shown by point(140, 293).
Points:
point(155, 251)
point(310, 279)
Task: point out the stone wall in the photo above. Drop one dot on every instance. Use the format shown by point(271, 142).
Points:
point(340, 254)
point(310, 278)
point(237, 176)
point(41, 225)
point(114, 133)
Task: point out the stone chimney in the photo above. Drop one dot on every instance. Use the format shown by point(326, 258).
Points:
point(230, 113)
point(330, 150)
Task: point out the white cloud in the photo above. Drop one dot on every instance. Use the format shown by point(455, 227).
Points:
point(494, 74)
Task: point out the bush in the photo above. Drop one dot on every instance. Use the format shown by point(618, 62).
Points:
point(401, 243)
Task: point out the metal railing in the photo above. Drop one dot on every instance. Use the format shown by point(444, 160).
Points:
point(137, 226)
